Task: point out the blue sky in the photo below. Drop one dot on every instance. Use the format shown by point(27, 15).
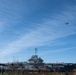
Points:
point(29, 24)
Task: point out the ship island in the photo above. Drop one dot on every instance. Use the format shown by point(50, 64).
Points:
point(36, 65)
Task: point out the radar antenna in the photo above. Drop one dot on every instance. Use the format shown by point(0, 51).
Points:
point(36, 51)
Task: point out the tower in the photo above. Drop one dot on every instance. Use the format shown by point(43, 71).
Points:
point(36, 51)
point(35, 59)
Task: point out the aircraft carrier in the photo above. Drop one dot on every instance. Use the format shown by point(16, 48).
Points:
point(35, 63)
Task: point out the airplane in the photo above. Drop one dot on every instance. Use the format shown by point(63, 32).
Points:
point(67, 23)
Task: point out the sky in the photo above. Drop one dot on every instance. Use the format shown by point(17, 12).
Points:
point(48, 25)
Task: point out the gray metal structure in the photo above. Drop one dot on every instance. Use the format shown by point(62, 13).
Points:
point(35, 63)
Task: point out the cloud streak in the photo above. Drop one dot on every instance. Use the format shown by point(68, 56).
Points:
point(48, 30)
point(48, 52)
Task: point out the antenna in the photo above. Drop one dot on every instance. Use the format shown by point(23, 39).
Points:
point(36, 51)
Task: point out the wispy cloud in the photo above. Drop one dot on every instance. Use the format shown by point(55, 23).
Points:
point(2, 26)
point(48, 30)
point(48, 52)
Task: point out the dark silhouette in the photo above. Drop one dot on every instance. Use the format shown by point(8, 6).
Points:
point(67, 23)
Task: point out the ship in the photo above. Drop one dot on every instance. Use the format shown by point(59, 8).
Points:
point(36, 64)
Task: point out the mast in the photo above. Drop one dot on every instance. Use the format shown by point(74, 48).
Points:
point(36, 51)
